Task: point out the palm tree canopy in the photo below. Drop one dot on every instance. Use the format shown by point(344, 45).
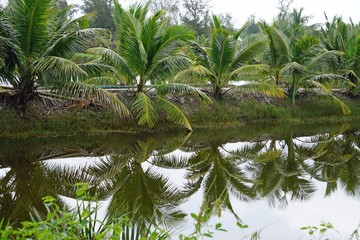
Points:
point(226, 59)
point(38, 44)
point(150, 49)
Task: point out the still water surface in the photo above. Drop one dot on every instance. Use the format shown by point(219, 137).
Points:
point(275, 179)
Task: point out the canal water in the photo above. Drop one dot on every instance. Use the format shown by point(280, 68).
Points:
point(273, 179)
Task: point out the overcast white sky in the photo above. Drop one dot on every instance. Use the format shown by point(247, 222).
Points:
point(267, 9)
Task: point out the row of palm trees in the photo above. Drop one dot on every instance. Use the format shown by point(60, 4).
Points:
point(278, 170)
point(40, 47)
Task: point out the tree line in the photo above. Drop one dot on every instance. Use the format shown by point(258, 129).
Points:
point(145, 44)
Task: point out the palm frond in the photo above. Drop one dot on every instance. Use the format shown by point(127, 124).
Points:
point(323, 61)
point(254, 70)
point(314, 83)
point(170, 41)
point(167, 67)
point(173, 113)
point(202, 56)
point(103, 80)
point(91, 92)
point(293, 68)
point(74, 41)
point(222, 51)
point(195, 73)
point(266, 88)
point(249, 52)
point(114, 59)
point(174, 88)
point(143, 150)
point(144, 110)
point(170, 162)
point(97, 69)
point(31, 18)
point(279, 50)
point(59, 67)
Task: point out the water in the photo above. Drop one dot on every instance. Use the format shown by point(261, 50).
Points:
point(275, 179)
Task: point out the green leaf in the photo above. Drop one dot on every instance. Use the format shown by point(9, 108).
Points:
point(173, 113)
point(91, 92)
point(175, 88)
point(144, 110)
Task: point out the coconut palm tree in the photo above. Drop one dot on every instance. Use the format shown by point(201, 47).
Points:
point(38, 45)
point(345, 37)
point(227, 58)
point(302, 63)
point(149, 52)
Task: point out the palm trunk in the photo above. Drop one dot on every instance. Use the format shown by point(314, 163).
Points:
point(140, 85)
point(293, 90)
point(217, 92)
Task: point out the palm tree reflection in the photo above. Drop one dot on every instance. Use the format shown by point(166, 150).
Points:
point(137, 189)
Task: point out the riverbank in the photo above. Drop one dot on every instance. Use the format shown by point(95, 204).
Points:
point(233, 110)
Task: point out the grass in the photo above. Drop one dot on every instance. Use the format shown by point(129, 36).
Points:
point(232, 111)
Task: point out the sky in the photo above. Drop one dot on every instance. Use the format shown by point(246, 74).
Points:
point(267, 9)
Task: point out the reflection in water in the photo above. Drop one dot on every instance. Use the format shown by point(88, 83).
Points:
point(277, 167)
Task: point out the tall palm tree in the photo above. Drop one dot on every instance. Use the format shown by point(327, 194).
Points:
point(227, 58)
point(37, 46)
point(149, 51)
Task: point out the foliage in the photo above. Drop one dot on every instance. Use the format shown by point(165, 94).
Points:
point(302, 62)
point(197, 16)
point(227, 59)
point(37, 51)
point(149, 51)
point(320, 230)
point(170, 7)
point(103, 13)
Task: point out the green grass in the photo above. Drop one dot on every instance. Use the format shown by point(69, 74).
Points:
point(229, 112)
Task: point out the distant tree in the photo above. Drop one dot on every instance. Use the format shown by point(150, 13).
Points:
point(62, 5)
point(197, 16)
point(170, 7)
point(103, 10)
point(253, 27)
point(227, 21)
point(284, 7)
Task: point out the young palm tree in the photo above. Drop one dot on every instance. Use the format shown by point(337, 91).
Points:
point(37, 45)
point(302, 62)
point(227, 59)
point(340, 36)
point(149, 51)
